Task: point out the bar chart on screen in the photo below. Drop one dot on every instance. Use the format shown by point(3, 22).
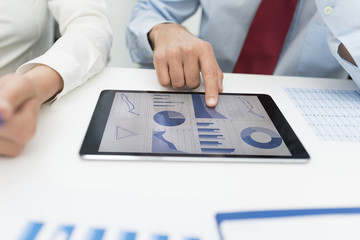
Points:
point(212, 139)
point(37, 230)
point(166, 101)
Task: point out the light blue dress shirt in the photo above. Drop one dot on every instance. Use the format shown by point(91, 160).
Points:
point(310, 48)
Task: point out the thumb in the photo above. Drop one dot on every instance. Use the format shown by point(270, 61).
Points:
point(14, 91)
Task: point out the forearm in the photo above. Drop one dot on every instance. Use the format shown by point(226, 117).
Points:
point(82, 50)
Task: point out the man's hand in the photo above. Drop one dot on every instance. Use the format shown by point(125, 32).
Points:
point(178, 58)
point(20, 99)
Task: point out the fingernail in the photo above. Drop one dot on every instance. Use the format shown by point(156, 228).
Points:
point(211, 102)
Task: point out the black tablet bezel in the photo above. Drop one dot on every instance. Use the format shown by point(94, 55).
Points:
point(100, 116)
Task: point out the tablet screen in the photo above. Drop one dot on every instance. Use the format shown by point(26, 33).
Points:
point(180, 124)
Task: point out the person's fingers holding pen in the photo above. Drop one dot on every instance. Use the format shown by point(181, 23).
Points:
point(5, 111)
point(18, 109)
point(14, 91)
point(17, 131)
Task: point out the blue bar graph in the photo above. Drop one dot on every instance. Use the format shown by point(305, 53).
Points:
point(214, 130)
point(166, 102)
point(161, 98)
point(210, 143)
point(163, 105)
point(128, 236)
point(160, 237)
point(204, 124)
point(64, 232)
point(218, 136)
point(217, 150)
point(96, 234)
point(31, 231)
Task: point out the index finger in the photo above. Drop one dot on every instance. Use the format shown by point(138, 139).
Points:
point(209, 70)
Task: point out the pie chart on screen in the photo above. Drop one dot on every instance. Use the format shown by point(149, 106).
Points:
point(169, 118)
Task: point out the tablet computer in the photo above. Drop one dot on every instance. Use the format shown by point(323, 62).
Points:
point(178, 126)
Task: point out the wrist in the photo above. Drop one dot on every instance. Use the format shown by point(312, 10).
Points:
point(46, 81)
point(154, 32)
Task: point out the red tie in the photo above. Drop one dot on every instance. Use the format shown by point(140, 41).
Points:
point(266, 36)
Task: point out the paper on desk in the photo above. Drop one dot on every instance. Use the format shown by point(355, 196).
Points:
point(84, 214)
point(61, 213)
point(332, 114)
point(310, 224)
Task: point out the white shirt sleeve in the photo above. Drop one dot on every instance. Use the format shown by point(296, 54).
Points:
point(84, 45)
point(343, 19)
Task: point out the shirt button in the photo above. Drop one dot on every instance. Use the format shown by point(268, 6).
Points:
point(328, 10)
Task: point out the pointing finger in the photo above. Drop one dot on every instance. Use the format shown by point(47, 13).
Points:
point(209, 70)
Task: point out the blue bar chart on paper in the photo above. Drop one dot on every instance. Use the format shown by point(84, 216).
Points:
point(332, 114)
point(42, 231)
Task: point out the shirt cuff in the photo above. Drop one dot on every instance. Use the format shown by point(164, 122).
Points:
point(62, 63)
point(138, 43)
point(352, 44)
point(353, 70)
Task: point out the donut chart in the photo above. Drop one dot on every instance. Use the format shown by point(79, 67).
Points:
point(275, 141)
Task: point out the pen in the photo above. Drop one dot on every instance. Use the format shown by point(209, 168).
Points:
point(4, 109)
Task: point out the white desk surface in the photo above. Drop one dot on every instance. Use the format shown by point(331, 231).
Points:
point(50, 164)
